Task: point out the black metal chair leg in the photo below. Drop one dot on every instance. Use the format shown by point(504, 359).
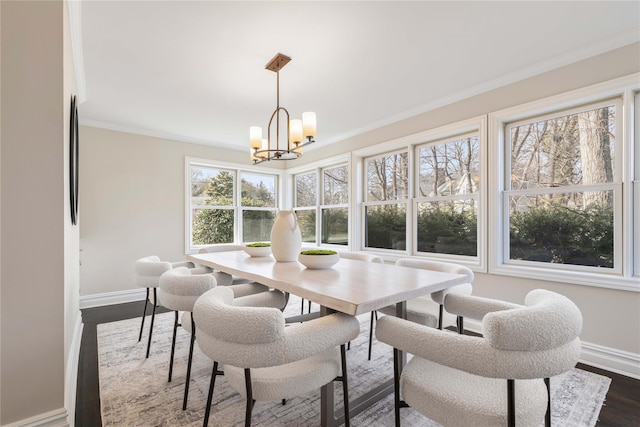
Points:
point(511, 403)
point(173, 345)
point(309, 310)
point(371, 323)
point(461, 325)
point(302, 307)
point(440, 316)
point(188, 379)
point(547, 417)
point(345, 386)
point(212, 384)
point(250, 401)
point(144, 314)
point(396, 385)
point(153, 318)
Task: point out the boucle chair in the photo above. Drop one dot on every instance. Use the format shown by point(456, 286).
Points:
point(420, 310)
point(181, 287)
point(363, 256)
point(459, 380)
point(147, 271)
point(263, 359)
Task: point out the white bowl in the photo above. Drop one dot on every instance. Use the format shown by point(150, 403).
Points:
point(258, 251)
point(318, 262)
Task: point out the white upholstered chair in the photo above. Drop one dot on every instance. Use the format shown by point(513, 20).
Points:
point(462, 380)
point(263, 359)
point(421, 310)
point(179, 289)
point(147, 272)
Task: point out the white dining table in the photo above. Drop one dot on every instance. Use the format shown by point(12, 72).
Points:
point(350, 286)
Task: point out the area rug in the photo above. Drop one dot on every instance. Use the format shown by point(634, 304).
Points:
point(134, 391)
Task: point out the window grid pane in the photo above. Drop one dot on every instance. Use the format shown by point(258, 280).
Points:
point(306, 187)
point(387, 177)
point(258, 190)
point(563, 228)
point(386, 226)
point(211, 186)
point(449, 168)
point(335, 183)
point(448, 227)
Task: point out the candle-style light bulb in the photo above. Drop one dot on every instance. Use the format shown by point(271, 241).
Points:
point(255, 137)
point(309, 124)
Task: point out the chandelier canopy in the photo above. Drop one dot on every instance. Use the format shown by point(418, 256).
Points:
point(299, 132)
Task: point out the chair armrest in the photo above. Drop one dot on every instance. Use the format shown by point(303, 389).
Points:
point(474, 307)
point(274, 299)
point(474, 354)
point(201, 270)
point(443, 347)
point(187, 264)
point(306, 339)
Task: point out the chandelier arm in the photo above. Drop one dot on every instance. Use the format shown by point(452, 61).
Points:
point(274, 114)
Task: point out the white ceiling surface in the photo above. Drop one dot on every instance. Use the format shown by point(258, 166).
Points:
point(194, 71)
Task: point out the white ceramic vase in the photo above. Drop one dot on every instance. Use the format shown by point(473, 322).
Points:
point(286, 239)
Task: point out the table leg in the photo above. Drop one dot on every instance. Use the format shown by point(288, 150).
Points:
point(329, 417)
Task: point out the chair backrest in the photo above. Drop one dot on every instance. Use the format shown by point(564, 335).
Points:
point(220, 248)
point(148, 270)
point(179, 288)
point(362, 256)
point(547, 321)
point(445, 267)
point(236, 335)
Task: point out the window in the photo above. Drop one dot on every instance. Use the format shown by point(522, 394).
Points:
point(562, 187)
point(258, 201)
point(334, 213)
point(447, 195)
point(306, 202)
point(565, 201)
point(386, 201)
point(321, 200)
point(227, 204)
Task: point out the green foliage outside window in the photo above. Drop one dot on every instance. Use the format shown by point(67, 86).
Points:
point(448, 231)
point(211, 226)
point(563, 235)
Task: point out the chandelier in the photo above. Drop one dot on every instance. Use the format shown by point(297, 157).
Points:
point(299, 132)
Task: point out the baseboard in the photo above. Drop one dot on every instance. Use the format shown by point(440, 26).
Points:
point(607, 358)
point(71, 372)
point(57, 418)
point(110, 298)
point(611, 359)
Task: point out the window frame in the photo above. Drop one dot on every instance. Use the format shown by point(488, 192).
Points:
point(417, 199)
point(475, 125)
point(406, 201)
point(238, 209)
point(318, 169)
point(619, 277)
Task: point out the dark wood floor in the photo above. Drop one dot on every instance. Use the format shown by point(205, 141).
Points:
point(621, 409)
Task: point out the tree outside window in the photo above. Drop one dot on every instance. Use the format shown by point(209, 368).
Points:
point(561, 188)
point(447, 196)
point(385, 208)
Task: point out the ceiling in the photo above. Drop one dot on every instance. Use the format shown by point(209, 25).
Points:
point(194, 71)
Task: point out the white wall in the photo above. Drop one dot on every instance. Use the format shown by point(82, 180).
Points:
point(132, 193)
point(132, 203)
point(38, 278)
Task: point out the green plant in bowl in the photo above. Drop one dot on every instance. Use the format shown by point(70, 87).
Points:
point(259, 249)
point(318, 252)
point(318, 258)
